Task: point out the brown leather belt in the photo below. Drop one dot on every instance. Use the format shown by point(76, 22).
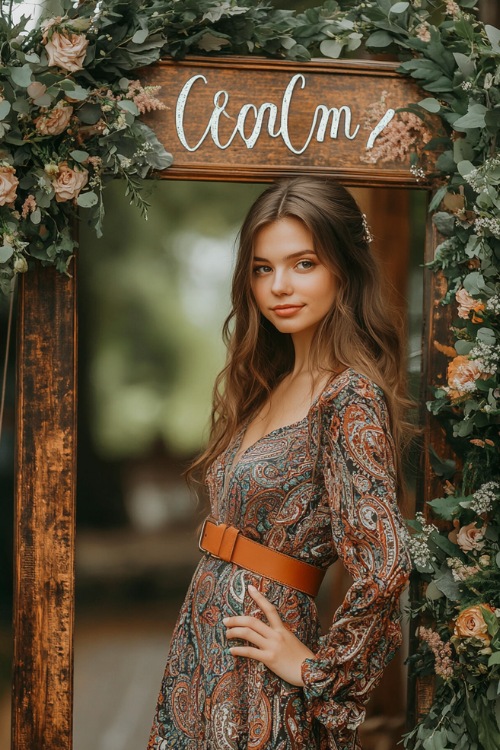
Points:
point(227, 543)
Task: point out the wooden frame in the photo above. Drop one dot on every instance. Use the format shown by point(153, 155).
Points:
point(46, 411)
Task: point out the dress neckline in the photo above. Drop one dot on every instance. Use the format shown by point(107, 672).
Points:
point(241, 434)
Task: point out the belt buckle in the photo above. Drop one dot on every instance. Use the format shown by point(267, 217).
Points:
point(202, 531)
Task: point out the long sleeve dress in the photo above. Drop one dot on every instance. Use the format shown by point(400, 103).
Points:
point(320, 488)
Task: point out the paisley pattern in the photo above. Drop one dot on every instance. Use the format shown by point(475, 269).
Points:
point(317, 489)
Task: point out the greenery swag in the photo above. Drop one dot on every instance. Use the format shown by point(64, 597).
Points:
point(70, 119)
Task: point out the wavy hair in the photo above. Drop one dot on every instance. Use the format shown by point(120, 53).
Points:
point(360, 330)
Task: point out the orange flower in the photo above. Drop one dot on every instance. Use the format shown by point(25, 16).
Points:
point(462, 375)
point(470, 624)
point(466, 304)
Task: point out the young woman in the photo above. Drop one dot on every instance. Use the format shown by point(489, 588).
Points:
point(303, 466)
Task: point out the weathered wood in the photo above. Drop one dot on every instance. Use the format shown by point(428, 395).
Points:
point(208, 145)
point(44, 512)
point(437, 328)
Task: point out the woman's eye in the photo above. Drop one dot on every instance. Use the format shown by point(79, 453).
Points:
point(305, 265)
point(259, 270)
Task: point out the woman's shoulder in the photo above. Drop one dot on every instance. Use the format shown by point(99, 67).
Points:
point(350, 388)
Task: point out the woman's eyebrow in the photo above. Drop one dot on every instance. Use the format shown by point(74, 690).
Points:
point(288, 257)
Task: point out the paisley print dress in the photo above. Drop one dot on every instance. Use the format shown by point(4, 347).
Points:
point(317, 489)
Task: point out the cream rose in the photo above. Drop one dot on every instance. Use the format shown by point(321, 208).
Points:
point(466, 303)
point(470, 537)
point(67, 51)
point(462, 375)
point(56, 121)
point(470, 624)
point(8, 185)
point(68, 182)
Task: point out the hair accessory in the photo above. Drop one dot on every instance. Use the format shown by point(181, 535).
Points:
point(368, 234)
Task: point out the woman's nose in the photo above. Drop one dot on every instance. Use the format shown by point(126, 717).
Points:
point(281, 283)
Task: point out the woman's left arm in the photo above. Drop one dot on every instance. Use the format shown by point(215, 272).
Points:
point(371, 541)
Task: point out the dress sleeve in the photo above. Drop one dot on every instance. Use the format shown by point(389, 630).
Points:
point(371, 541)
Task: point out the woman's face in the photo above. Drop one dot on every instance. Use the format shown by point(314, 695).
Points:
point(291, 287)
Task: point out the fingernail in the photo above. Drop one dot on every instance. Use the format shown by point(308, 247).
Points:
point(225, 620)
point(251, 587)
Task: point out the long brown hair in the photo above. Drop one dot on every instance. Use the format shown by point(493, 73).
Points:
point(360, 330)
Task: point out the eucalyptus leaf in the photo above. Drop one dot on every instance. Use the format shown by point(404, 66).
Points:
point(5, 108)
point(140, 36)
point(493, 35)
point(88, 199)
point(79, 156)
point(399, 7)
point(6, 252)
point(21, 76)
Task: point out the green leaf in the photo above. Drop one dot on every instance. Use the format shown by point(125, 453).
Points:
point(430, 104)
point(466, 65)
point(445, 507)
point(379, 39)
point(487, 336)
point(129, 106)
point(21, 76)
point(493, 35)
point(140, 36)
point(399, 7)
point(77, 92)
point(36, 216)
point(432, 592)
point(6, 252)
point(79, 156)
point(331, 48)
point(444, 222)
point(473, 119)
point(87, 200)
point(4, 109)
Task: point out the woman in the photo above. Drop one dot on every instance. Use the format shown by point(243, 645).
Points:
point(303, 465)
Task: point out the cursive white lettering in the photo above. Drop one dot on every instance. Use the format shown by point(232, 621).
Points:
point(322, 116)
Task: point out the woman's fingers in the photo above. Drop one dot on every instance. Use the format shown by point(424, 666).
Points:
point(246, 621)
point(248, 651)
point(265, 605)
point(247, 634)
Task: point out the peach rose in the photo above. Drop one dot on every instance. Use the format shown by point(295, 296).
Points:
point(8, 185)
point(470, 624)
point(67, 50)
point(68, 182)
point(55, 121)
point(466, 303)
point(462, 375)
point(470, 537)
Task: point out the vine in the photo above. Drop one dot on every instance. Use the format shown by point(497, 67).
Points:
point(70, 109)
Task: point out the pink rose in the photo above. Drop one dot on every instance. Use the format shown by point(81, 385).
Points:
point(470, 537)
point(470, 624)
point(68, 182)
point(462, 375)
point(56, 121)
point(8, 185)
point(67, 50)
point(466, 303)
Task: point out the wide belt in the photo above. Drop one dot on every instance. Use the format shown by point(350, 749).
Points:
point(229, 544)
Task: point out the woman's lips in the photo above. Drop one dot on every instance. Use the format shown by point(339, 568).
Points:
point(286, 311)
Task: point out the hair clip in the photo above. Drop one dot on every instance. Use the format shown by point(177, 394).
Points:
point(366, 228)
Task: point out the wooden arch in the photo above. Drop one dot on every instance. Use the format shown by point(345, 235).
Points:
point(314, 118)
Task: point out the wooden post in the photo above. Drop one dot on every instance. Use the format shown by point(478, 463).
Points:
point(44, 512)
point(436, 327)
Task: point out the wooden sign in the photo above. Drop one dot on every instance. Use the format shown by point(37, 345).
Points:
point(252, 119)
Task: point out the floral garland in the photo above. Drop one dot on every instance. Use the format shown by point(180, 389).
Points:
point(70, 119)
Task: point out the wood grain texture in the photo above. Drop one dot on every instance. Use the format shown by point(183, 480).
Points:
point(255, 81)
point(44, 512)
point(437, 327)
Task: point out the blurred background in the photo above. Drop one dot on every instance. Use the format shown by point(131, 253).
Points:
point(153, 296)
